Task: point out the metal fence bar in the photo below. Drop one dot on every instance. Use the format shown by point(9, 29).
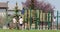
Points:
point(48, 20)
point(39, 19)
point(36, 19)
point(24, 19)
point(57, 20)
point(30, 18)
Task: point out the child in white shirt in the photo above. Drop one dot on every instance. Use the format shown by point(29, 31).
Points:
point(20, 22)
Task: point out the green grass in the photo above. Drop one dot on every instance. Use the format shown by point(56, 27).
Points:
point(1, 30)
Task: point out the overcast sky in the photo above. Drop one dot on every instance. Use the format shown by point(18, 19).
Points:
point(11, 3)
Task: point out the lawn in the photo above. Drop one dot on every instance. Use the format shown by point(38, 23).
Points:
point(1, 30)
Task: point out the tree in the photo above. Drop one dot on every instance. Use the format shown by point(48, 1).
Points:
point(34, 4)
point(17, 16)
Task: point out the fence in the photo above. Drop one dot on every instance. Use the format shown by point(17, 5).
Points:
point(38, 19)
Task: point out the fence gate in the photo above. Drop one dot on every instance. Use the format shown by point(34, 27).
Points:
point(37, 19)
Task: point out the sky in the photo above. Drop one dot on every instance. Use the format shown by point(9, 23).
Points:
point(11, 4)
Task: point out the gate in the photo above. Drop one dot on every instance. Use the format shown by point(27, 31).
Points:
point(37, 19)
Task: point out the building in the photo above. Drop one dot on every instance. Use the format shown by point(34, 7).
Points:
point(3, 10)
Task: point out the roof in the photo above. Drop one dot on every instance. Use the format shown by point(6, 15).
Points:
point(3, 5)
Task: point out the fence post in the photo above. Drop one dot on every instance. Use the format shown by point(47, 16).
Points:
point(48, 20)
point(27, 19)
point(30, 19)
point(6, 16)
point(57, 20)
point(39, 19)
point(45, 19)
point(36, 19)
point(24, 20)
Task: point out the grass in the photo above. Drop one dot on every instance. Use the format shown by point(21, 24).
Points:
point(7, 30)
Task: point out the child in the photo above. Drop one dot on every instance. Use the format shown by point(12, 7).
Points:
point(21, 22)
point(14, 22)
